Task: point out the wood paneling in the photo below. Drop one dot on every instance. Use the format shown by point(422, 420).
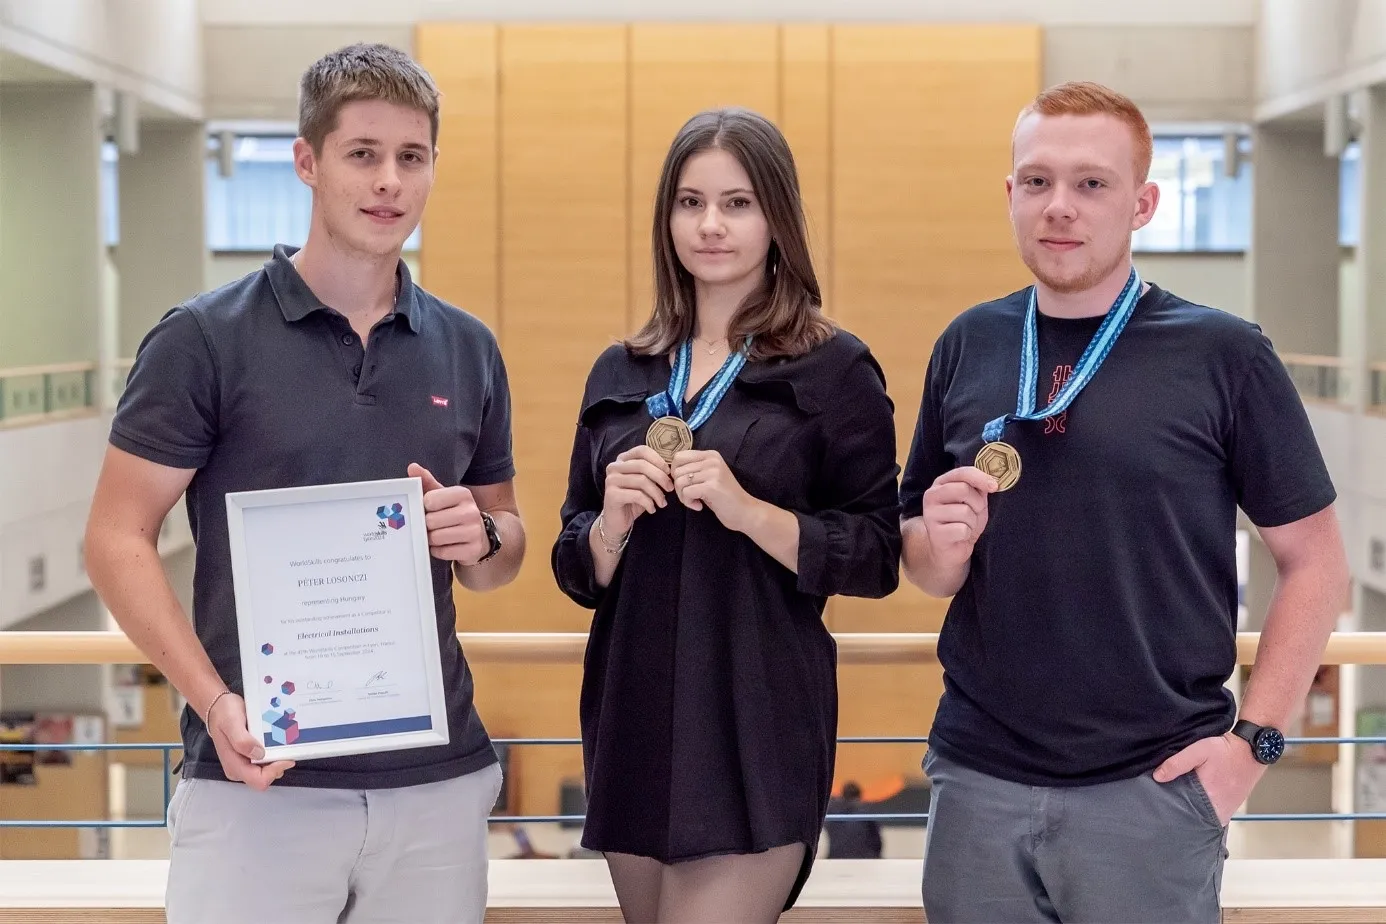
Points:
point(806, 120)
point(921, 122)
point(563, 269)
point(460, 262)
point(552, 143)
point(676, 71)
point(563, 280)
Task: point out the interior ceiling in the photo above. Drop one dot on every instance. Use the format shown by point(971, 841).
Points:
point(16, 69)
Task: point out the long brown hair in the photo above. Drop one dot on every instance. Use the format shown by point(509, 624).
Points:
point(785, 314)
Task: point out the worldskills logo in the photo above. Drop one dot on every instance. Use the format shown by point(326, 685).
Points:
point(391, 516)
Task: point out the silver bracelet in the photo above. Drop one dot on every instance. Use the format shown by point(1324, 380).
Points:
point(208, 720)
point(606, 543)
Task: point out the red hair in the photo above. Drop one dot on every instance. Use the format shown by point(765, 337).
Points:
point(1081, 97)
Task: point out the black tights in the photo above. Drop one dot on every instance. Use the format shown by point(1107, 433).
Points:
point(732, 889)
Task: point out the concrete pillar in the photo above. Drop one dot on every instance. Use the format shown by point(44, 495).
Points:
point(1371, 248)
point(1294, 254)
point(50, 224)
point(162, 254)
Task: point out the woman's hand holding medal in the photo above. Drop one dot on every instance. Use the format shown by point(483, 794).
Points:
point(637, 482)
point(702, 478)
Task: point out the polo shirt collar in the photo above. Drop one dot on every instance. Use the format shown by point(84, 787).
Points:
point(297, 301)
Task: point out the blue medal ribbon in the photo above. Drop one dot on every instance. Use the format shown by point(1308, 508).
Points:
point(669, 403)
point(1093, 356)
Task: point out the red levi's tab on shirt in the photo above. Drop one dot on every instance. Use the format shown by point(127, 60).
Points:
point(439, 402)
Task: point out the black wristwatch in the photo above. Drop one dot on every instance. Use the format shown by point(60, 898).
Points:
point(1267, 744)
point(492, 535)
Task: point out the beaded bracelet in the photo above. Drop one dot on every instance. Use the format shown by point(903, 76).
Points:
point(208, 719)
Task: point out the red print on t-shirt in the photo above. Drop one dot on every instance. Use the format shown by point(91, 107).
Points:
point(1057, 424)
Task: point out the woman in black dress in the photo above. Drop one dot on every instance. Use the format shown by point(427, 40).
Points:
point(734, 465)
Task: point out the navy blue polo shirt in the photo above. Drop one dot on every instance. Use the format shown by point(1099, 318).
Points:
point(259, 385)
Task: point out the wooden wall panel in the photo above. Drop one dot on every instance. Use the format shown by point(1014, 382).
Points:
point(460, 261)
point(552, 142)
point(921, 124)
point(805, 119)
point(563, 267)
point(676, 71)
point(563, 284)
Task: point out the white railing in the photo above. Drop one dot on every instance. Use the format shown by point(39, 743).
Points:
point(1322, 379)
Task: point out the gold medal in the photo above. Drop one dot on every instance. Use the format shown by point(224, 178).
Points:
point(668, 436)
point(1000, 461)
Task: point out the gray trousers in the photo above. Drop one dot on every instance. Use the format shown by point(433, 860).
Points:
point(1129, 851)
point(328, 856)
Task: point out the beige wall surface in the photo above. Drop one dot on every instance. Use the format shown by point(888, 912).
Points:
point(152, 48)
point(1307, 50)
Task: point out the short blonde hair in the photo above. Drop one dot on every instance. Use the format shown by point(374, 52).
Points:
point(361, 72)
point(1081, 97)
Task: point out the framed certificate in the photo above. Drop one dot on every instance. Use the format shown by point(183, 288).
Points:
point(338, 631)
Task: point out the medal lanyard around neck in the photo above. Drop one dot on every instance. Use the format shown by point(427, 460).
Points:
point(1093, 356)
point(669, 403)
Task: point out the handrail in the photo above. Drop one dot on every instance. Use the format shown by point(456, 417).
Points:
point(569, 647)
point(50, 369)
point(1309, 359)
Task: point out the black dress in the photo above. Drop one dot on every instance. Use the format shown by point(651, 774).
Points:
point(709, 697)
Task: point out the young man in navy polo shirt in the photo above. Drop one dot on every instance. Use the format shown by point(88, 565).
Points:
point(1086, 756)
point(328, 365)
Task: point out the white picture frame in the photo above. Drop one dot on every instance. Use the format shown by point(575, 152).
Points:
point(336, 624)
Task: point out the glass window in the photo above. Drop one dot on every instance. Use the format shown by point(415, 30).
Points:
point(1201, 208)
point(1349, 189)
point(110, 192)
point(263, 202)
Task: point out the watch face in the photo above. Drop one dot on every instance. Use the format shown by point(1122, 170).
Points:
point(1268, 746)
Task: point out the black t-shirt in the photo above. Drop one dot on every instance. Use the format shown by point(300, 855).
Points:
point(1096, 630)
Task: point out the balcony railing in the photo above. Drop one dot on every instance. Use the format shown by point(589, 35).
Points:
point(1321, 379)
point(568, 648)
point(34, 394)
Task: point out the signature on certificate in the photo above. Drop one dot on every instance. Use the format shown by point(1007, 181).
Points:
point(376, 679)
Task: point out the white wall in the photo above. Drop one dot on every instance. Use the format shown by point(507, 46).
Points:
point(1307, 50)
point(50, 245)
point(47, 476)
point(1211, 82)
point(253, 70)
point(1353, 447)
point(256, 52)
point(1217, 280)
point(1053, 12)
point(163, 230)
point(152, 48)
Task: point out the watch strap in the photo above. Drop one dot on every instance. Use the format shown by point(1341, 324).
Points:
point(1246, 730)
point(492, 535)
